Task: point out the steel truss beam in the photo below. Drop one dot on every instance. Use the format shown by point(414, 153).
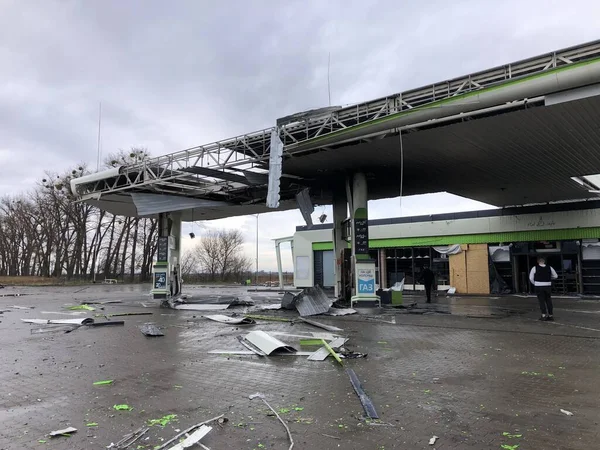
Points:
point(249, 151)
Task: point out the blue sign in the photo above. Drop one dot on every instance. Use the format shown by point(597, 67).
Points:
point(366, 281)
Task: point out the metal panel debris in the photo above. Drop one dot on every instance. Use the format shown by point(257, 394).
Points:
point(250, 352)
point(340, 311)
point(193, 438)
point(81, 321)
point(312, 301)
point(251, 347)
point(231, 320)
point(323, 352)
point(320, 325)
point(288, 301)
point(364, 399)
point(150, 329)
point(63, 432)
point(266, 343)
point(202, 307)
point(185, 432)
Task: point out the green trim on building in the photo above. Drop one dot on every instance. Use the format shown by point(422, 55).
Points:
point(323, 245)
point(566, 234)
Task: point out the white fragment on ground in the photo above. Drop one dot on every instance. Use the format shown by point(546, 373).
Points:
point(432, 440)
point(62, 432)
point(568, 413)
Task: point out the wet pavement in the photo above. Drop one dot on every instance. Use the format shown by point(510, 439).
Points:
point(467, 370)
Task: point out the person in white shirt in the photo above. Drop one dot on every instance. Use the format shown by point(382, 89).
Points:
point(541, 277)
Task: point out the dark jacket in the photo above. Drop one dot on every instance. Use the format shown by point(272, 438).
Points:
point(426, 277)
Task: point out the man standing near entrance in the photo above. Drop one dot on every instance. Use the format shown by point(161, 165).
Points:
point(427, 277)
point(541, 277)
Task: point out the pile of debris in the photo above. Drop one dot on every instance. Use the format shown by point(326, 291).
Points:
point(310, 302)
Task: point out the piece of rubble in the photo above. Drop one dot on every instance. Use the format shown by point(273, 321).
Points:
point(63, 432)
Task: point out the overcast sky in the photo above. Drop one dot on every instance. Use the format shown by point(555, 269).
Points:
point(177, 74)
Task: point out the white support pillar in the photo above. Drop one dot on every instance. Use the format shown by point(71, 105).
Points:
point(364, 266)
point(278, 243)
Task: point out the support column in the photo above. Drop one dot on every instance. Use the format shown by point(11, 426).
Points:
point(340, 214)
point(166, 270)
point(364, 266)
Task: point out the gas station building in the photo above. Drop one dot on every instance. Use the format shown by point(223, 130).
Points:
point(464, 249)
point(515, 136)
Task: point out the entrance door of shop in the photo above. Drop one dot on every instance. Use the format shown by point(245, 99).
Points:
point(565, 265)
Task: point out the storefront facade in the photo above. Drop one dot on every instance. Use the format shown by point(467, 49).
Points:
point(479, 252)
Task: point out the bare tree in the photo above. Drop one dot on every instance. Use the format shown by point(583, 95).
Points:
point(219, 253)
point(189, 263)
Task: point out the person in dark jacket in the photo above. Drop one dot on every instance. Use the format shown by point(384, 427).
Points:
point(541, 277)
point(427, 277)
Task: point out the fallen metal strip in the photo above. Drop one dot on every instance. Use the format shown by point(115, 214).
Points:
point(320, 325)
point(262, 397)
point(231, 320)
point(251, 352)
point(202, 307)
point(82, 321)
point(364, 399)
point(104, 324)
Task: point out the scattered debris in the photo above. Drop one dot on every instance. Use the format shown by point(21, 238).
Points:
point(163, 421)
point(125, 314)
point(347, 354)
point(150, 329)
point(202, 307)
point(568, 413)
point(193, 438)
point(364, 399)
point(320, 325)
point(272, 306)
point(63, 432)
point(231, 320)
point(185, 432)
point(104, 324)
point(511, 436)
point(103, 382)
point(271, 318)
point(266, 343)
point(262, 397)
point(251, 347)
point(252, 352)
point(130, 438)
point(288, 301)
point(98, 302)
point(332, 437)
point(64, 313)
point(340, 311)
point(312, 301)
point(21, 307)
point(82, 321)
point(313, 335)
point(327, 349)
point(91, 424)
point(433, 439)
point(509, 447)
point(122, 408)
point(84, 307)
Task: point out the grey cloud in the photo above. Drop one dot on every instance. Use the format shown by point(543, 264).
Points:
point(172, 75)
